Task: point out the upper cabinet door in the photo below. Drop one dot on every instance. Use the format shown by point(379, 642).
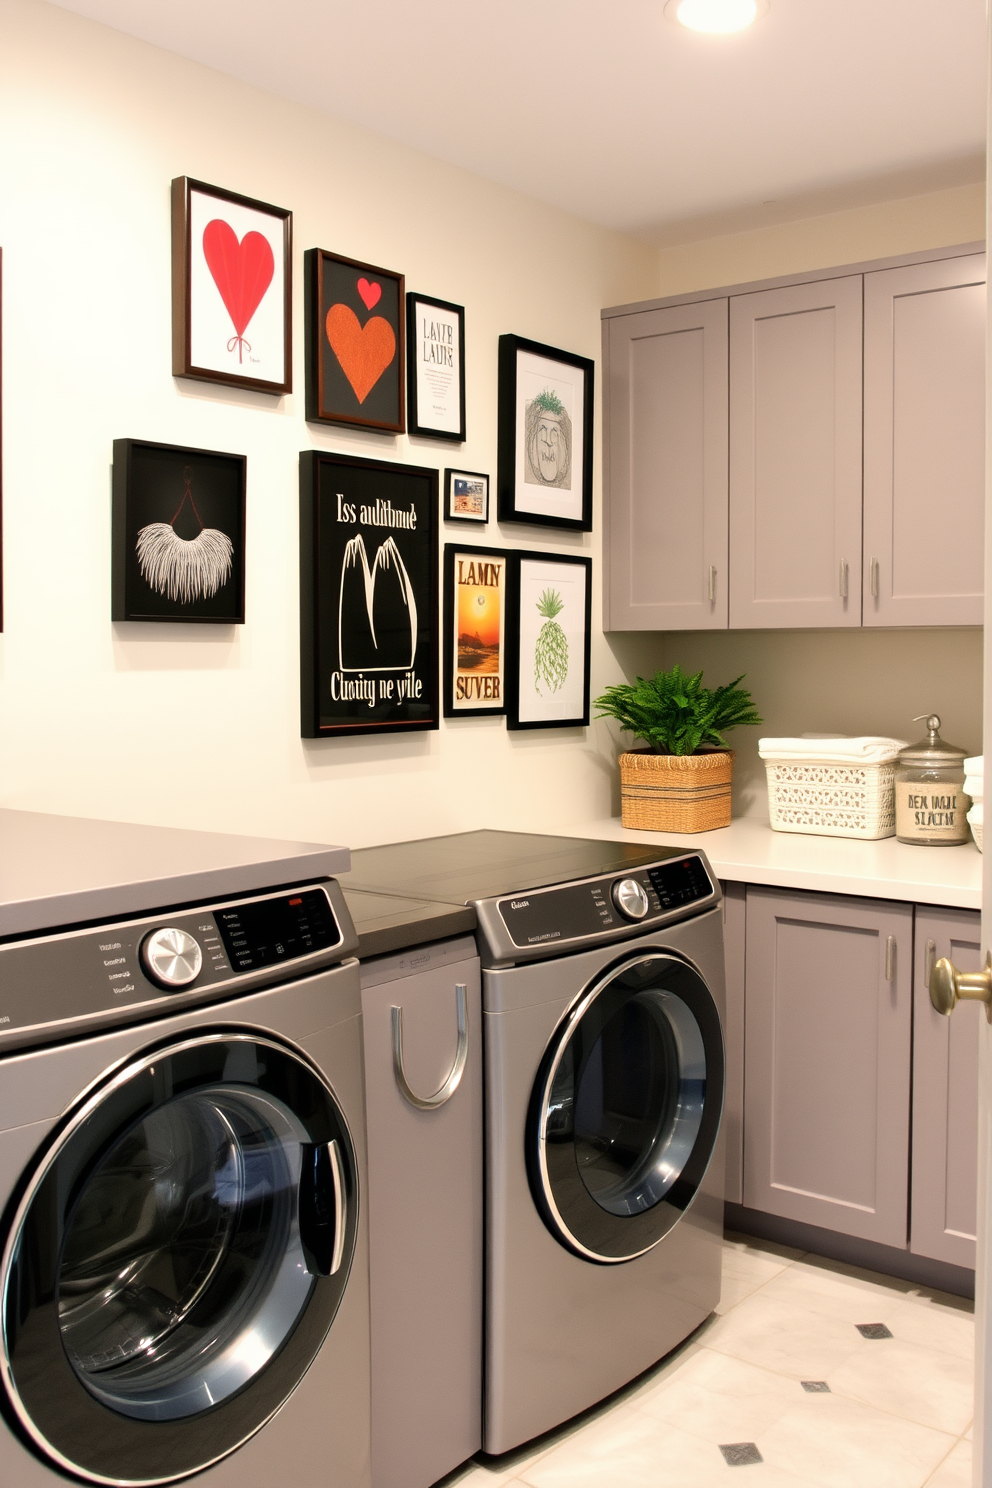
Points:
point(795, 456)
point(925, 443)
point(666, 504)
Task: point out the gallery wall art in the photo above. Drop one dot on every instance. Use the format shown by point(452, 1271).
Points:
point(544, 466)
point(354, 342)
point(368, 596)
point(475, 589)
point(436, 372)
point(466, 496)
point(178, 534)
point(550, 611)
point(232, 288)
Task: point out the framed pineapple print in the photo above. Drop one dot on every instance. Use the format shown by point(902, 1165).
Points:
point(549, 611)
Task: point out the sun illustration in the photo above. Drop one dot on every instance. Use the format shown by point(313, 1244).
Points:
point(479, 612)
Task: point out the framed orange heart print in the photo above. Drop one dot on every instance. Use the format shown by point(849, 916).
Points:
point(354, 334)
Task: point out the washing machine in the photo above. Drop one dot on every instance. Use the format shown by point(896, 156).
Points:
point(603, 997)
point(183, 1277)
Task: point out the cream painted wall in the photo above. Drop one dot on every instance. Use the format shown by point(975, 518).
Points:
point(199, 726)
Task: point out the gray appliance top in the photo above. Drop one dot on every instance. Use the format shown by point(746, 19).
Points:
point(66, 870)
point(387, 923)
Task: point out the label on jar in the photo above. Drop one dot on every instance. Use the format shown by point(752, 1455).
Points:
point(931, 812)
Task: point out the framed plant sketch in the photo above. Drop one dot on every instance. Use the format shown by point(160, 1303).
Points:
point(178, 534)
point(466, 496)
point(544, 470)
point(368, 596)
point(232, 288)
point(475, 585)
point(550, 608)
point(436, 370)
point(354, 340)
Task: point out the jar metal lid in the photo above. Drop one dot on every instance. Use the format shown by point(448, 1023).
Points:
point(933, 750)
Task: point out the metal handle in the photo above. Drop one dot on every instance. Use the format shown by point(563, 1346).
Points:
point(843, 578)
point(873, 578)
point(321, 1177)
point(711, 584)
point(890, 958)
point(949, 986)
point(929, 956)
point(451, 1084)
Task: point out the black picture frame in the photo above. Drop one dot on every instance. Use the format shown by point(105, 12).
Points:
point(474, 503)
point(166, 498)
point(435, 368)
point(474, 685)
point(219, 287)
point(355, 348)
point(553, 489)
point(367, 665)
point(532, 672)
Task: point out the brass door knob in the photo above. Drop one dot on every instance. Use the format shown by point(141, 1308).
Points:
point(948, 986)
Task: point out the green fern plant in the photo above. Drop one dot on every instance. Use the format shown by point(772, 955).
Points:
point(675, 713)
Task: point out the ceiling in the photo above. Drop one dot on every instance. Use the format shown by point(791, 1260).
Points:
point(610, 111)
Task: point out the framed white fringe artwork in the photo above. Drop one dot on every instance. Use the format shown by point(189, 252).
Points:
point(178, 534)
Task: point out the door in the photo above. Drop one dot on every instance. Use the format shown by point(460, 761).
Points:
point(626, 1109)
point(734, 909)
point(667, 469)
point(925, 443)
point(176, 1259)
point(795, 456)
point(827, 1061)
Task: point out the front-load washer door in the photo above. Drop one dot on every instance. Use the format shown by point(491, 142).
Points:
point(626, 1108)
point(176, 1258)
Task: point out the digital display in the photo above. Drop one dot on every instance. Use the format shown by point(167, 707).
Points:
point(272, 930)
point(680, 883)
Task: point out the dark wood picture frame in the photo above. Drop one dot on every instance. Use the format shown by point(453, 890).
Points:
point(238, 293)
point(390, 682)
point(458, 681)
point(434, 349)
point(543, 672)
point(450, 497)
point(513, 444)
point(366, 389)
point(161, 486)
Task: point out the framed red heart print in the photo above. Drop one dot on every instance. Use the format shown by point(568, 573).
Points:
point(354, 336)
point(232, 289)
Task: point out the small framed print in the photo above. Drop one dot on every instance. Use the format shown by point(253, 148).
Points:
point(436, 368)
point(550, 608)
point(178, 534)
point(466, 496)
point(475, 615)
point(368, 596)
point(354, 338)
point(232, 288)
point(544, 472)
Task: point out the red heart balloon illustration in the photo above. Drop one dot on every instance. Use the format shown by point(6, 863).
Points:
point(370, 293)
point(241, 271)
point(364, 351)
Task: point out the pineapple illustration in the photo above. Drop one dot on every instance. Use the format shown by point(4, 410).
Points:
point(551, 648)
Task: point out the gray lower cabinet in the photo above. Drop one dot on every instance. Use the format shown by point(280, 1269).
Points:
point(734, 910)
point(945, 1094)
point(827, 1061)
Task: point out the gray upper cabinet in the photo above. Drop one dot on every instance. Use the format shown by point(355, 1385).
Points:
point(795, 455)
point(925, 443)
point(667, 469)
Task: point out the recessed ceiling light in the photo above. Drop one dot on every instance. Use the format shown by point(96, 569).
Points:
point(717, 17)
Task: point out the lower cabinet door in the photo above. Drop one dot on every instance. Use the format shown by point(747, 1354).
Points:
point(827, 1062)
point(733, 1033)
point(945, 1094)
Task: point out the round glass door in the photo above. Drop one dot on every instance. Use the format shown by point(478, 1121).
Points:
point(177, 1258)
point(626, 1109)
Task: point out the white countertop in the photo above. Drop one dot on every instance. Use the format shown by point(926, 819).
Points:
point(748, 851)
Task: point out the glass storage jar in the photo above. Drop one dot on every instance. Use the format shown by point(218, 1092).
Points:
point(930, 799)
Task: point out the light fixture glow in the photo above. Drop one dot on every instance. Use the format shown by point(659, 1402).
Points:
point(716, 17)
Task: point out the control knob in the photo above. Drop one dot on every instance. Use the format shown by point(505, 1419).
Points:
point(172, 958)
point(630, 899)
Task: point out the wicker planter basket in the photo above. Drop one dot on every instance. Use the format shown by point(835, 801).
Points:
point(675, 792)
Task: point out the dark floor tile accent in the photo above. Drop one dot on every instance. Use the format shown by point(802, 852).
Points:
point(873, 1330)
point(741, 1454)
point(815, 1387)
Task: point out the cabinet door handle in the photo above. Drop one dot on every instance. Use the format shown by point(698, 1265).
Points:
point(711, 584)
point(451, 1084)
point(843, 578)
point(929, 957)
point(873, 578)
point(890, 958)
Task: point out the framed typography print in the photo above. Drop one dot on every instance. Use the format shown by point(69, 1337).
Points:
point(368, 596)
point(178, 534)
point(544, 473)
point(436, 370)
point(550, 607)
point(475, 589)
point(354, 338)
point(466, 496)
point(232, 288)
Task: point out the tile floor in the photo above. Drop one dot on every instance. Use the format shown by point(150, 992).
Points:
point(782, 1383)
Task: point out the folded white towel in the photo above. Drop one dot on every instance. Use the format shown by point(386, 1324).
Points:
point(868, 749)
point(974, 786)
point(976, 815)
point(975, 765)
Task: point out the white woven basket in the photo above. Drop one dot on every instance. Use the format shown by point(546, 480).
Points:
point(830, 800)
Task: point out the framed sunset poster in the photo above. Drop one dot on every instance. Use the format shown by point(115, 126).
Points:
point(354, 320)
point(544, 446)
point(475, 582)
point(232, 288)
